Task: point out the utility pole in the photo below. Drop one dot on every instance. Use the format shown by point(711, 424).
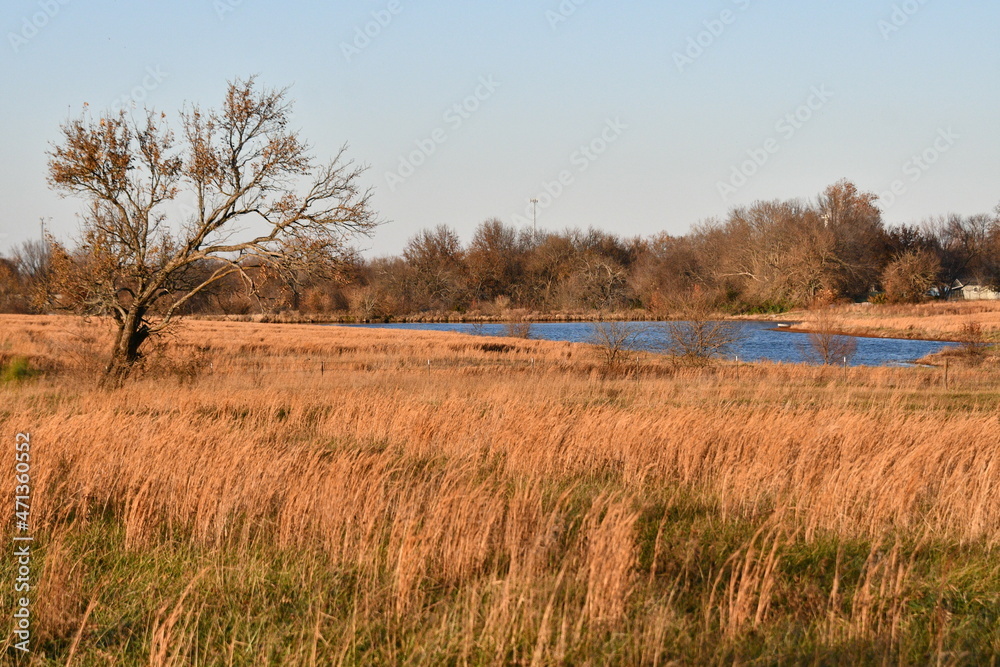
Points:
point(534, 218)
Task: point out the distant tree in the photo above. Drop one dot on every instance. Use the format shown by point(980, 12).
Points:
point(495, 261)
point(22, 277)
point(666, 267)
point(33, 260)
point(861, 244)
point(904, 238)
point(11, 287)
point(548, 265)
point(258, 198)
point(393, 279)
point(773, 252)
point(967, 247)
point(909, 277)
point(437, 260)
point(600, 271)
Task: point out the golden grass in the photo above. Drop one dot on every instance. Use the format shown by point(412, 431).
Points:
point(514, 476)
point(934, 320)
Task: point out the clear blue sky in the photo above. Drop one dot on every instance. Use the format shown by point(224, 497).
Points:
point(887, 80)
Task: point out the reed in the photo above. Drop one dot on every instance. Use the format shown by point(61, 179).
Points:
point(291, 494)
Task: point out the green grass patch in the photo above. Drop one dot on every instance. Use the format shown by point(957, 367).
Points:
point(16, 370)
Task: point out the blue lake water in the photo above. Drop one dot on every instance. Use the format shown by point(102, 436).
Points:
point(762, 341)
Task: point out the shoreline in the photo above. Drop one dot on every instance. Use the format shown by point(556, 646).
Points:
point(928, 338)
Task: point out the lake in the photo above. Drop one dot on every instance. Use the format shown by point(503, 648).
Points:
point(761, 342)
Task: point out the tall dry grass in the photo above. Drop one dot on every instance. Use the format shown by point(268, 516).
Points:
point(509, 502)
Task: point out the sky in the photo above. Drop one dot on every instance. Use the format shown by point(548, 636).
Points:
point(635, 117)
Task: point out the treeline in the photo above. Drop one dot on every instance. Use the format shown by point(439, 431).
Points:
point(768, 257)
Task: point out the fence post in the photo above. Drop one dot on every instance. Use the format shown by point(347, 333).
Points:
point(946, 373)
point(322, 367)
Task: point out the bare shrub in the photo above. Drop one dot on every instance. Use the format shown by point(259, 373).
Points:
point(616, 340)
point(973, 343)
point(699, 336)
point(517, 324)
point(518, 329)
point(827, 345)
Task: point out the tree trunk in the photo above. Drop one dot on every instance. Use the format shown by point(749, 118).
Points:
point(132, 333)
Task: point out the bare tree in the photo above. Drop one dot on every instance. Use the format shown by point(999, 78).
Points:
point(966, 248)
point(32, 258)
point(861, 243)
point(495, 261)
point(22, 276)
point(437, 261)
point(258, 198)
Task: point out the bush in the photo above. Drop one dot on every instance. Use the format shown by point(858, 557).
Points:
point(826, 345)
point(763, 308)
point(616, 340)
point(518, 324)
point(909, 277)
point(520, 329)
point(17, 369)
point(972, 341)
point(699, 336)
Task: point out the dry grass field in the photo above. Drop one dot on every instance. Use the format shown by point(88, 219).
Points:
point(302, 495)
point(934, 320)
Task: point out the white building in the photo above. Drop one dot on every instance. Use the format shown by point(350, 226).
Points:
point(973, 292)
